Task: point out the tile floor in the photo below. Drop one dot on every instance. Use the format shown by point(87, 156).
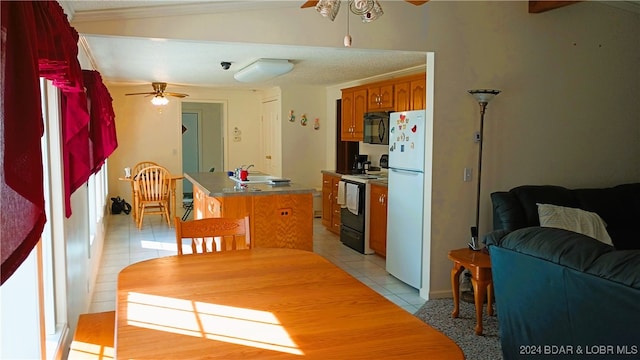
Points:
point(125, 245)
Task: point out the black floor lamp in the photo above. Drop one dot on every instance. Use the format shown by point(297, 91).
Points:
point(483, 96)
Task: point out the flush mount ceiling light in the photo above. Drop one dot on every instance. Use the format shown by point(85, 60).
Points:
point(263, 69)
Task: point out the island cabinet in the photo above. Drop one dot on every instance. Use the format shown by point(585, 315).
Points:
point(354, 105)
point(378, 216)
point(279, 216)
point(330, 206)
point(380, 97)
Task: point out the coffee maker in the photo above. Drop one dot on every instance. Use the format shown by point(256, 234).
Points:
point(360, 163)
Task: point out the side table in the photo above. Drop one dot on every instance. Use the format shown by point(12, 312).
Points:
point(479, 264)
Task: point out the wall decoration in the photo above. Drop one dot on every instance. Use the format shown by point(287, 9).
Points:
point(316, 124)
point(303, 120)
point(292, 117)
point(237, 134)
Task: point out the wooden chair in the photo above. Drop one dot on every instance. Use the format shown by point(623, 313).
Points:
point(154, 189)
point(134, 172)
point(214, 234)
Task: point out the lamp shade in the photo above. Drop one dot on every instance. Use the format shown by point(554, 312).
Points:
point(263, 69)
point(484, 95)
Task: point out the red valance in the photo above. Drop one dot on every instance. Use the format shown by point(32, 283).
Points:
point(37, 41)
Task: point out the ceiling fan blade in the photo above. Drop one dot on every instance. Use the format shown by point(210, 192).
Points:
point(417, 3)
point(175, 94)
point(142, 93)
point(308, 4)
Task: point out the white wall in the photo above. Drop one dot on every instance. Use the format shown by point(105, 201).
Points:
point(568, 114)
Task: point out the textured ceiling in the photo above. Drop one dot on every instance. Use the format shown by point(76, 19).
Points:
point(197, 63)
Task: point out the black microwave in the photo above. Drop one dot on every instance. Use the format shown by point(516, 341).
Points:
point(376, 128)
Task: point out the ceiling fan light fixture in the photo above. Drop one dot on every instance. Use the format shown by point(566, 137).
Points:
point(328, 8)
point(373, 14)
point(263, 69)
point(159, 100)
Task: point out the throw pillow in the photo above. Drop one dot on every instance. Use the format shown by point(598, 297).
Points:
point(576, 220)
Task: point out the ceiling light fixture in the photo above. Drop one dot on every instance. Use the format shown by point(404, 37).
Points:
point(263, 69)
point(368, 10)
point(159, 100)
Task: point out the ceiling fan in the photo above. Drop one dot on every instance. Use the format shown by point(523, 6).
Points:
point(308, 4)
point(368, 10)
point(159, 94)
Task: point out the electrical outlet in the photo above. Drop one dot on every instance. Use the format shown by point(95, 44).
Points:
point(467, 174)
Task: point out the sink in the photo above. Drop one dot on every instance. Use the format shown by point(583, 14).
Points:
point(254, 179)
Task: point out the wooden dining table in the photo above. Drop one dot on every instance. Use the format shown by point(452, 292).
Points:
point(263, 303)
point(136, 195)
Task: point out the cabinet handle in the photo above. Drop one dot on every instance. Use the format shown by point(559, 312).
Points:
point(384, 198)
point(268, 157)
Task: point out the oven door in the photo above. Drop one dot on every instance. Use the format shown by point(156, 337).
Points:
point(351, 220)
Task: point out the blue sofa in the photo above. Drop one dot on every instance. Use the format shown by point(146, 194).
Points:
point(561, 294)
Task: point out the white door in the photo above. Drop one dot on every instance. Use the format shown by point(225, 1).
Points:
point(270, 118)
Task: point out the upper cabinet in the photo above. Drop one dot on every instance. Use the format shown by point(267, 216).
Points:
point(380, 97)
point(410, 93)
point(398, 94)
point(354, 105)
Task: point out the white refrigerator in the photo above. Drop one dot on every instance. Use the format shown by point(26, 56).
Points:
point(407, 137)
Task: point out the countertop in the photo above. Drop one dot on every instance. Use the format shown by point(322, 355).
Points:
point(219, 185)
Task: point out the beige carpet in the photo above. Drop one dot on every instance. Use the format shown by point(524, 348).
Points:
point(437, 313)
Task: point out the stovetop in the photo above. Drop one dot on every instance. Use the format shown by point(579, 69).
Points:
point(363, 178)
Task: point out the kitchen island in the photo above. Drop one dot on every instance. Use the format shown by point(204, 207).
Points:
point(280, 216)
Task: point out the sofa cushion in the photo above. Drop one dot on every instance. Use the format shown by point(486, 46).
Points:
point(619, 207)
point(531, 195)
point(560, 246)
point(573, 219)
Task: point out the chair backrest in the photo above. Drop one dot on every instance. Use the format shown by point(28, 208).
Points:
point(153, 184)
point(141, 165)
point(220, 234)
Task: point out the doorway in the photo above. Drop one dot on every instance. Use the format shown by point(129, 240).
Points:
point(202, 140)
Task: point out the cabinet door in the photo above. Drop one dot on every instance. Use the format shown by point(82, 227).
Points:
point(199, 205)
point(380, 98)
point(418, 94)
point(359, 108)
point(327, 200)
point(346, 128)
point(335, 207)
point(402, 93)
point(283, 221)
point(378, 224)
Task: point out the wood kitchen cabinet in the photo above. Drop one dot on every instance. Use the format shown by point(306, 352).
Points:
point(281, 221)
point(330, 206)
point(380, 97)
point(378, 216)
point(410, 94)
point(419, 93)
point(354, 105)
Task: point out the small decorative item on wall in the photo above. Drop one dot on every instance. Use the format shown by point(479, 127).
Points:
point(292, 117)
point(237, 134)
point(303, 120)
point(316, 124)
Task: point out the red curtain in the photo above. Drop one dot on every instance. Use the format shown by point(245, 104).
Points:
point(37, 40)
point(102, 126)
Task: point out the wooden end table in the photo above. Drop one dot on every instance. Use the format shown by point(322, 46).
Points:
point(479, 264)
